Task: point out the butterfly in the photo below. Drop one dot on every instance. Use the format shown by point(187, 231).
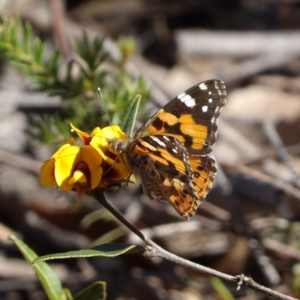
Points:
point(171, 152)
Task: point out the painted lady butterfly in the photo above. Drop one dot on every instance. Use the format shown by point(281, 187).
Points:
point(171, 152)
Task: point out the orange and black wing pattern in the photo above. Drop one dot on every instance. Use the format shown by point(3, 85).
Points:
point(171, 152)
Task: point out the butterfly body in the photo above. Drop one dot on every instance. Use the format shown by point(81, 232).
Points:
point(171, 152)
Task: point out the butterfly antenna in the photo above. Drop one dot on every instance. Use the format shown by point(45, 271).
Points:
point(103, 103)
point(109, 121)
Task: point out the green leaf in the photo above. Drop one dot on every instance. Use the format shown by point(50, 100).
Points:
point(92, 53)
point(68, 294)
point(221, 288)
point(94, 216)
point(296, 278)
point(45, 274)
point(75, 83)
point(106, 250)
point(129, 116)
point(52, 63)
point(97, 290)
point(27, 36)
point(111, 235)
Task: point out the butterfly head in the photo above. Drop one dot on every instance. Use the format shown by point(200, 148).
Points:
point(118, 145)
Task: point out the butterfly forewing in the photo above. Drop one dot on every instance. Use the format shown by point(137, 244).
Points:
point(191, 117)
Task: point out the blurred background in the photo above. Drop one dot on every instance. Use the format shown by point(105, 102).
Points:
point(249, 223)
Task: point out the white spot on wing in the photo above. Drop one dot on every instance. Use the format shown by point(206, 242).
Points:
point(205, 108)
point(181, 96)
point(210, 100)
point(189, 101)
point(186, 98)
point(203, 86)
point(174, 150)
point(166, 138)
point(158, 141)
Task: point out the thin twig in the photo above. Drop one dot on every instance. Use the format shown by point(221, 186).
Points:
point(275, 140)
point(59, 27)
point(270, 153)
point(234, 43)
point(20, 161)
point(156, 251)
point(286, 187)
point(99, 195)
point(282, 249)
point(253, 66)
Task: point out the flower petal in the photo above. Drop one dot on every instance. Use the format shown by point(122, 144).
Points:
point(102, 138)
point(64, 167)
point(93, 160)
point(116, 169)
point(47, 173)
point(78, 176)
point(85, 137)
point(96, 131)
point(48, 168)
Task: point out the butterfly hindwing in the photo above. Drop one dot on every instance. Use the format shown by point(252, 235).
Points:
point(204, 171)
point(162, 163)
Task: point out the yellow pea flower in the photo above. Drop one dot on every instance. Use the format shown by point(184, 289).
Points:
point(116, 168)
point(96, 164)
point(73, 167)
